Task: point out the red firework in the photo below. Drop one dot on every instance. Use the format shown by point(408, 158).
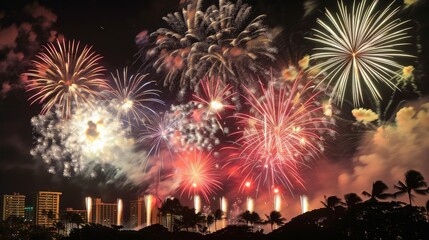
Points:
point(281, 133)
point(197, 173)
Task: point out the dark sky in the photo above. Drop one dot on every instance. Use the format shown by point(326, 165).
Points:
point(110, 27)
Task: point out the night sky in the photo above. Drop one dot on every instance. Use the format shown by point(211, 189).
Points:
point(111, 27)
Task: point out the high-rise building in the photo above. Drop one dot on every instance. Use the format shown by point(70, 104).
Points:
point(47, 208)
point(106, 213)
point(137, 213)
point(13, 205)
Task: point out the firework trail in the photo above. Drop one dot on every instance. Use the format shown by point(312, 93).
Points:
point(66, 75)
point(282, 133)
point(197, 174)
point(358, 49)
point(131, 95)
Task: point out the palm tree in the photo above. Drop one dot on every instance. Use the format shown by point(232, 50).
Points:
point(246, 217)
point(59, 226)
point(76, 219)
point(352, 199)
point(171, 207)
point(217, 216)
point(250, 217)
point(414, 181)
point(275, 217)
point(210, 220)
point(378, 191)
point(332, 202)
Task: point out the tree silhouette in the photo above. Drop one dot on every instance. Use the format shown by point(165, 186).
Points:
point(332, 202)
point(414, 181)
point(250, 217)
point(189, 219)
point(217, 216)
point(275, 217)
point(171, 207)
point(59, 226)
point(352, 199)
point(210, 220)
point(378, 191)
point(427, 209)
point(76, 219)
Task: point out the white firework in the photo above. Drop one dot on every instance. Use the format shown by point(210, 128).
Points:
point(358, 49)
point(132, 96)
point(194, 128)
point(92, 138)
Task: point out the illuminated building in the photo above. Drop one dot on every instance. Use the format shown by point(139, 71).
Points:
point(13, 205)
point(137, 213)
point(106, 214)
point(47, 208)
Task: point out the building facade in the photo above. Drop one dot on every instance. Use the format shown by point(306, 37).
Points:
point(106, 214)
point(13, 205)
point(47, 208)
point(137, 213)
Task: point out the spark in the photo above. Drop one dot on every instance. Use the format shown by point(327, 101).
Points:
point(214, 96)
point(359, 49)
point(193, 128)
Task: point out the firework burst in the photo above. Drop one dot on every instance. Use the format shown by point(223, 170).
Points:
point(236, 50)
point(131, 96)
point(92, 138)
point(217, 41)
point(159, 133)
point(66, 75)
point(282, 133)
point(214, 96)
point(193, 128)
point(198, 174)
point(359, 49)
point(173, 45)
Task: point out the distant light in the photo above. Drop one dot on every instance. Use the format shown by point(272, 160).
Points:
point(216, 105)
point(194, 185)
point(247, 184)
point(276, 190)
point(127, 105)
